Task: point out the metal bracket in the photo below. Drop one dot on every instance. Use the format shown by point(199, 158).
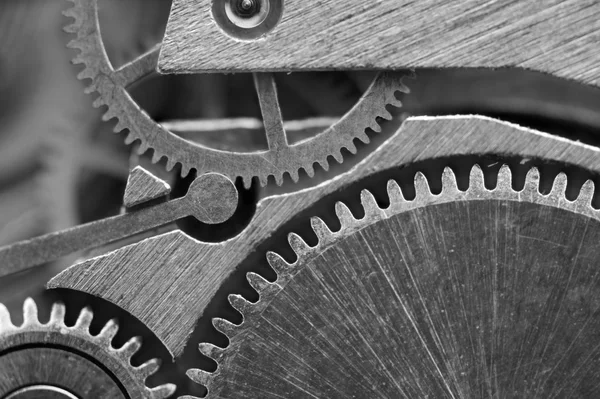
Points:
point(558, 37)
point(158, 280)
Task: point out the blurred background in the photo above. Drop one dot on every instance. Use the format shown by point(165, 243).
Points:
point(60, 165)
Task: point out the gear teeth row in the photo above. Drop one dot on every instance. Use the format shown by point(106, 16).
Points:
point(350, 145)
point(373, 213)
point(98, 69)
point(81, 329)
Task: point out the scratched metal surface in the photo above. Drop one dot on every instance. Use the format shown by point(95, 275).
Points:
point(454, 295)
point(164, 293)
point(553, 36)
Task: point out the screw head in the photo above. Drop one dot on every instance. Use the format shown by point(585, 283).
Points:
point(247, 19)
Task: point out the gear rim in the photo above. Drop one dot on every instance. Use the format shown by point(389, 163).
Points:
point(56, 340)
point(262, 165)
point(240, 335)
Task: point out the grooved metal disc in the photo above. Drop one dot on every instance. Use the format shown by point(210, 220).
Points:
point(472, 298)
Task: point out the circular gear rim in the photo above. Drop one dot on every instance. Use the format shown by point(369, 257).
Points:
point(78, 340)
point(285, 271)
point(110, 87)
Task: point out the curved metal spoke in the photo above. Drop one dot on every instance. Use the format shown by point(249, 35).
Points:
point(271, 112)
point(134, 70)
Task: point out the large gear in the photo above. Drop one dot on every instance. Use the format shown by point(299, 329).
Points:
point(280, 159)
point(470, 293)
point(60, 361)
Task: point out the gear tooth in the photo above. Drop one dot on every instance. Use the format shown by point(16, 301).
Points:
point(130, 138)
point(394, 102)
point(148, 368)
point(143, 147)
point(343, 213)
point(375, 126)
point(476, 179)
point(449, 183)
point(559, 187)
point(163, 391)
point(310, 171)
point(211, 351)
point(226, 327)
point(258, 283)
point(247, 182)
point(422, 185)
point(321, 229)
point(86, 74)
point(369, 203)
point(586, 194)
point(69, 28)
point(78, 59)
point(324, 164)
point(170, 164)
point(85, 319)
point(278, 179)
point(98, 102)
point(130, 348)
point(362, 136)
point(185, 169)
point(200, 377)
point(298, 244)
point(120, 126)
point(504, 178)
point(337, 155)
point(402, 85)
point(108, 115)
point(532, 181)
point(57, 315)
point(385, 114)
point(89, 90)
point(70, 12)
point(295, 175)
point(278, 264)
point(109, 330)
point(30, 312)
point(395, 193)
point(351, 147)
point(156, 156)
point(240, 304)
point(263, 180)
point(5, 320)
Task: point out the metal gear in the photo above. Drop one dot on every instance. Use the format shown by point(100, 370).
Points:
point(463, 294)
point(58, 361)
point(280, 159)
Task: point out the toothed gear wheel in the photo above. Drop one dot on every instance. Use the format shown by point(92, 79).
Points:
point(54, 360)
point(281, 158)
point(476, 293)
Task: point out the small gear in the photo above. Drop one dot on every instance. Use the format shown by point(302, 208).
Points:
point(281, 158)
point(476, 293)
point(58, 361)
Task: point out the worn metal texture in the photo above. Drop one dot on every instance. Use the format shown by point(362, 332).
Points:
point(212, 198)
point(158, 280)
point(142, 187)
point(559, 37)
point(476, 293)
point(280, 160)
point(54, 355)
